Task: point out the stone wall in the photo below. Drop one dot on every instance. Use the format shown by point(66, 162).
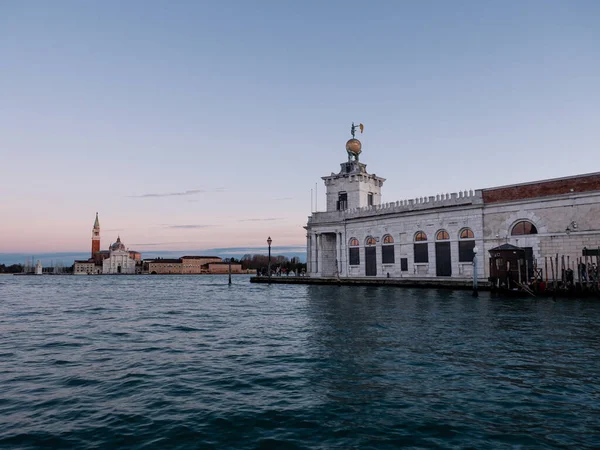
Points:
point(566, 213)
point(402, 227)
point(565, 225)
point(540, 189)
point(356, 186)
point(462, 198)
point(221, 268)
point(328, 255)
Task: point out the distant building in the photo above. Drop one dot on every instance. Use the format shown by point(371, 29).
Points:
point(117, 259)
point(223, 267)
point(190, 265)
point(135, 255)
point(163, 266)
point(85, 267)
point(197, 264)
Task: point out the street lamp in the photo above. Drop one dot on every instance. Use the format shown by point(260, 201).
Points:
point(269, 240)
point(475, 293)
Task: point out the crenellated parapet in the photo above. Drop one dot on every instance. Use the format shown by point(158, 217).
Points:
point(462, 198)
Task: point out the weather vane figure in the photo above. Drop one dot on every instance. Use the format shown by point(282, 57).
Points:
point(353, 128)
point(354, 146)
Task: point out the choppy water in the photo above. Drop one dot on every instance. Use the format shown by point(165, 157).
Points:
point(189, 362)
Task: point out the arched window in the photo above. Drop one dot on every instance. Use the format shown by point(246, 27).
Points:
point(420, 248)
point(442, 235)
point(420, 236)
point(466, 244)
point(370, 241)
point(466, 233)
point(523, 228)
point(354, 252)
point(387, 250)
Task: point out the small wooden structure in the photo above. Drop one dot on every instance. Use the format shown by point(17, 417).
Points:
point(507, 266)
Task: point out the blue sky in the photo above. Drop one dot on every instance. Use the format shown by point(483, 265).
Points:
point(197, 125)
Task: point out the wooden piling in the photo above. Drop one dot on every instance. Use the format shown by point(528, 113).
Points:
point(556, 278)
point(598, 269)
point(552, 267)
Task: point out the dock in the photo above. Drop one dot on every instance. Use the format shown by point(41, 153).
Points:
point(428, 283)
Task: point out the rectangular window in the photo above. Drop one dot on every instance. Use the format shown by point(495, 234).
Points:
point(370, 199)
point(590, 252)
point(342, 202)
point(421, 253)
point(465, 251)
point(387, 254)
point(354, 256)
point(404, 264)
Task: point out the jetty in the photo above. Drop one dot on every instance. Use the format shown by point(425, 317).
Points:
point(429, 283)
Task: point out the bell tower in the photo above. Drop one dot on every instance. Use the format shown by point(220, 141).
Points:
point(96, 236)
point(353, 187)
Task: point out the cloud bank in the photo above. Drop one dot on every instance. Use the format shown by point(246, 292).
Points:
point(177, 194)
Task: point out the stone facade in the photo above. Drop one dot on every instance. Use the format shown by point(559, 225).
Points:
point(560, 216)
point(222, 267)
point(197, 264)
point(164, 266)
point(190, 265)
point(87, 267)
point(119, 260)
point(566, 224)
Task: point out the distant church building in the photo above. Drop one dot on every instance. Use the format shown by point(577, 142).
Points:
point(119, 260)
point(435, 236)
point(116, 260)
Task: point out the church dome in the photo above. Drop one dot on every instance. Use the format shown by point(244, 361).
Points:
point(354, 146)
point(118, 245)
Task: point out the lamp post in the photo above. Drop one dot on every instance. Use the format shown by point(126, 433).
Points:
point(269, 240)
point(475, 293)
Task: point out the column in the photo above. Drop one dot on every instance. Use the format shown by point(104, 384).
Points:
point(314, 254)
point(342, 255)
point(319, 253)
point(308, 254)
point(337, 254)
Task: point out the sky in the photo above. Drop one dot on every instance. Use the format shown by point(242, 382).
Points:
point(199, 125)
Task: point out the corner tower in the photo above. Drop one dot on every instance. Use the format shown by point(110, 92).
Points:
point(353, 187)
point(96, 236)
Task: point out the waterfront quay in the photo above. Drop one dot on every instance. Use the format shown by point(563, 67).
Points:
point(432, 283)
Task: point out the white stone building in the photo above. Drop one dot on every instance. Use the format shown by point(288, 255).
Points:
point(87, 267)
point(119, 260)
point(358, 236)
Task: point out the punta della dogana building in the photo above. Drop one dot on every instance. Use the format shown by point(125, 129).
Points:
point(435, 236)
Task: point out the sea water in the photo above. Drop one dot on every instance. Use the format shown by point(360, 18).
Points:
point(190, 362)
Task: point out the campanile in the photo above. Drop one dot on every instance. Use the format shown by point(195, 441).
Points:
point(96, 236)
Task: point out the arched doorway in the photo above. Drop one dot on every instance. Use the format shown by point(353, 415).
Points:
point(443, 257)
point(370, 257)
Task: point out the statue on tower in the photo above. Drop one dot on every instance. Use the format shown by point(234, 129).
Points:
point(354, 146)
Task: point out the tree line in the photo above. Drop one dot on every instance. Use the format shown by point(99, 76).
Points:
point(13, 268)
point(249, 261)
